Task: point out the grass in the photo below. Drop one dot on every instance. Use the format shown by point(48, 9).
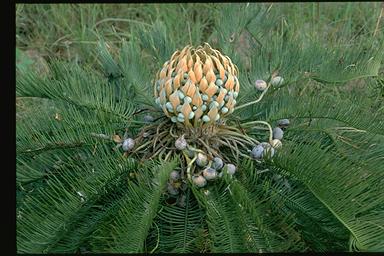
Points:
point(71, 32)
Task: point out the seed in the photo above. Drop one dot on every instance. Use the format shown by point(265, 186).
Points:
point(209, 173)
point(201, 160)
point(276, 143)
point(277, 133)
point(260, 85)
point(187, 99)
point(224, 110)
point(199, 181)
point(181, 201)
point(181, 143)
point(217, 117)
point(128, 144)
point(217, 163)
point(157, 101)
point(283, 122)
point(235, 94)
point(204, 97)
point(178, 108)
point(213, 104)
point(257, 152)
point(174, 119)
point(277, 81)
point(206, 118)
point(194, 107)
point(148, 118)
point(174, 175)
point(231, 169)
point(269, 151)
point(219, 82)
point(169, 106)
point(191, 115)
point(181, 95)
point(171, 190)
point(185, 75)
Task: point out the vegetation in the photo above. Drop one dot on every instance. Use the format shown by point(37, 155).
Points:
point(85, 77)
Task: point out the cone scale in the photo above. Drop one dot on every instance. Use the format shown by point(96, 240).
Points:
point(197, 86)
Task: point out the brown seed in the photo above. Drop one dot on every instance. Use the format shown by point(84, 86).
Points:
point(229, 83)
point(198, 70)
point(212, 113)
point(203, 85)
point(186, 109)
point(176, 81)
point(116, 138)
point(211, 90)
point(168, 87)
point(198, 113)
point(192, 76)
point(211, 78)
point(191, 90)
point(163, 98)
point(163, 73)
point(186, 87)
point(207, 65)
point(237, 87)
point(196, 100)
point(190, 62)
point(174, 99)
point(221, 96)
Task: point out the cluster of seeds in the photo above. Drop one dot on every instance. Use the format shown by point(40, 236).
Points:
point(197, 86)
point(195, 89)
point(210, 170)
point(204, 169)
point(276, 81)
point(266, 149)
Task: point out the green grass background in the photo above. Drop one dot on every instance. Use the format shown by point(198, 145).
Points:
point(71, 32)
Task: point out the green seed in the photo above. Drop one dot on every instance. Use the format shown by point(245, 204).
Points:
point(219, 82)
point(206, 118)
point(181, 95)
point(169, 106)
point(204, 97)
point(224, 110)
point(213, 104)
point(187, 99)
point(191, 115)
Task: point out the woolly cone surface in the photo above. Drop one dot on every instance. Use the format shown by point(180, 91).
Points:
point(197, 86)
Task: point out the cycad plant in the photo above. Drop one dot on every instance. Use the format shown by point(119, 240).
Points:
point(206, 144)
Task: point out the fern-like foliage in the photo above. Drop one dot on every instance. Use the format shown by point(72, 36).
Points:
point(322, 191)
